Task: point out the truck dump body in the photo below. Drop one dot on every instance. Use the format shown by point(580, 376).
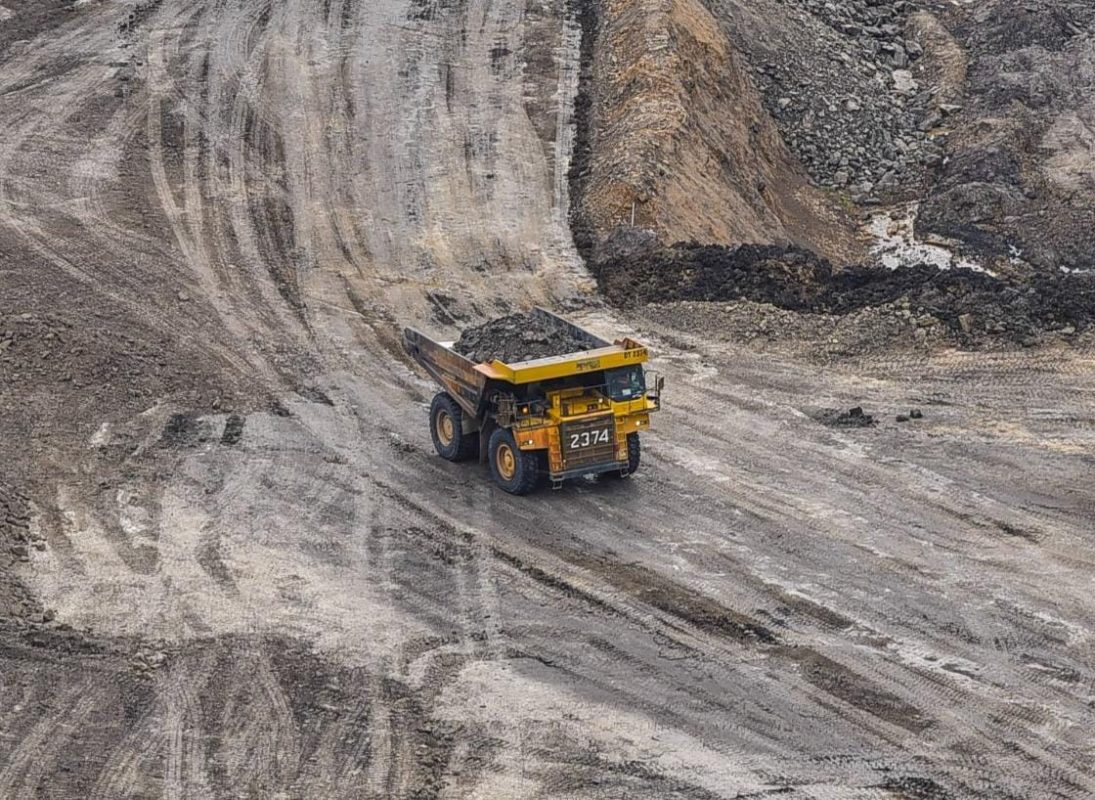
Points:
point(457, 374)
point(578, 412)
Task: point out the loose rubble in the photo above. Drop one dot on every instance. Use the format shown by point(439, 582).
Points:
point(518, 337)
point(17, 540)
point(968, 306)
point(846, 97)
point(852, 418)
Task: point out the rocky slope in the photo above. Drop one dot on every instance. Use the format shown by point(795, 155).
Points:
point(679, 141)
point(770, 123)
point(1019, 178)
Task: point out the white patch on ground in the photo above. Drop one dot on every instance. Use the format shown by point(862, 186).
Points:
point(6, 14)
point(135, 520)
point(101, 437)
point(896, 246)
point(528, 711)
point(696, 463)
point(924, 658)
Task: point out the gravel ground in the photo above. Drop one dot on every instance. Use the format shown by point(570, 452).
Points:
point(233, 565)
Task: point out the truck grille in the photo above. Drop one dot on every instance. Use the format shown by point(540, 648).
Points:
point(588, 442)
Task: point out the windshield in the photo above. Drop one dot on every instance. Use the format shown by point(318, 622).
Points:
point(626, 383)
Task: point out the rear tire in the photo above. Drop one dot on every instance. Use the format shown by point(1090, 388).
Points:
point(515, 471)
point(447, 430)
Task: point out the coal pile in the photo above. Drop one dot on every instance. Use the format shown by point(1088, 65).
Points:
point(518, 337)
point(971, 304)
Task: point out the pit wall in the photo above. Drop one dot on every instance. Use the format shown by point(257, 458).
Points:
point(676, 140)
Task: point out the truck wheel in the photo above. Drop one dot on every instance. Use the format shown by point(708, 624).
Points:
point(515, 471)
point(634, 455)
point(447, 429)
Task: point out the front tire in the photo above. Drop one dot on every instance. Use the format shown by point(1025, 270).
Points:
point(515, 471)
point(447, 430)
point(634, 456)
point(634, 453)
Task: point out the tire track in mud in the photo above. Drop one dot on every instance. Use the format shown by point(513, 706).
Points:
point(76, 98)
point(32, 759)
point(259, 749)
point(670, 610)
point(234, 114)
point(827, 674)
point(1001, 701)
point(596, 556)
point(411, 753)
point(130, 760)
point(189, 220)
point(184, 749)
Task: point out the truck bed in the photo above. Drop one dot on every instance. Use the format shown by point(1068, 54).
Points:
point(466, 380)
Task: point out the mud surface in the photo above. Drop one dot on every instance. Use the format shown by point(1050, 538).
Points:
point(972, 306)
point(518, 337)
point(231, 564)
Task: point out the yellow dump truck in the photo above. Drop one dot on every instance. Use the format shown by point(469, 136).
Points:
point(544, 420)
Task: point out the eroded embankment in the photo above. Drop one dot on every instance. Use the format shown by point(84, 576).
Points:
point(675, 139)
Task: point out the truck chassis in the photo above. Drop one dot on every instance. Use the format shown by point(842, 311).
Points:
point(546, 420)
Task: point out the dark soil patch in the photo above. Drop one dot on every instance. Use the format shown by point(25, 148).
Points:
point(186, 430)
point(519, 337)
point(911, 788)
point(233, 430)
point(842, 683)
point(969, 303)
point(705, 613)
point(581, 226)
point(31, 18)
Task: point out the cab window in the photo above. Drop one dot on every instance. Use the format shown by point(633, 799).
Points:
point(625, 383)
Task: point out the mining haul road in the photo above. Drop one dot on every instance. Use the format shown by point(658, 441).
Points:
point(238, 570)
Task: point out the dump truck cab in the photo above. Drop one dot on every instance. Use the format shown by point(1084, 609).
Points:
point(543, 420)
point(581, 421)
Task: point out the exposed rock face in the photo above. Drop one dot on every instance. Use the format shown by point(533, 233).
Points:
point(682, 144)
point(718, 121)
point(844, 82)
point(1020, 177)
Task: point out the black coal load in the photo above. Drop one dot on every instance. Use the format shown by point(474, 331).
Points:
point(518, 337)
point(970, 303)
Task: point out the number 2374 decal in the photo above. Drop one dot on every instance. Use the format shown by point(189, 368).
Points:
point(589, 438)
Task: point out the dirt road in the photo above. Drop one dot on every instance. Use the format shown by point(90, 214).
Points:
point(252, 577)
